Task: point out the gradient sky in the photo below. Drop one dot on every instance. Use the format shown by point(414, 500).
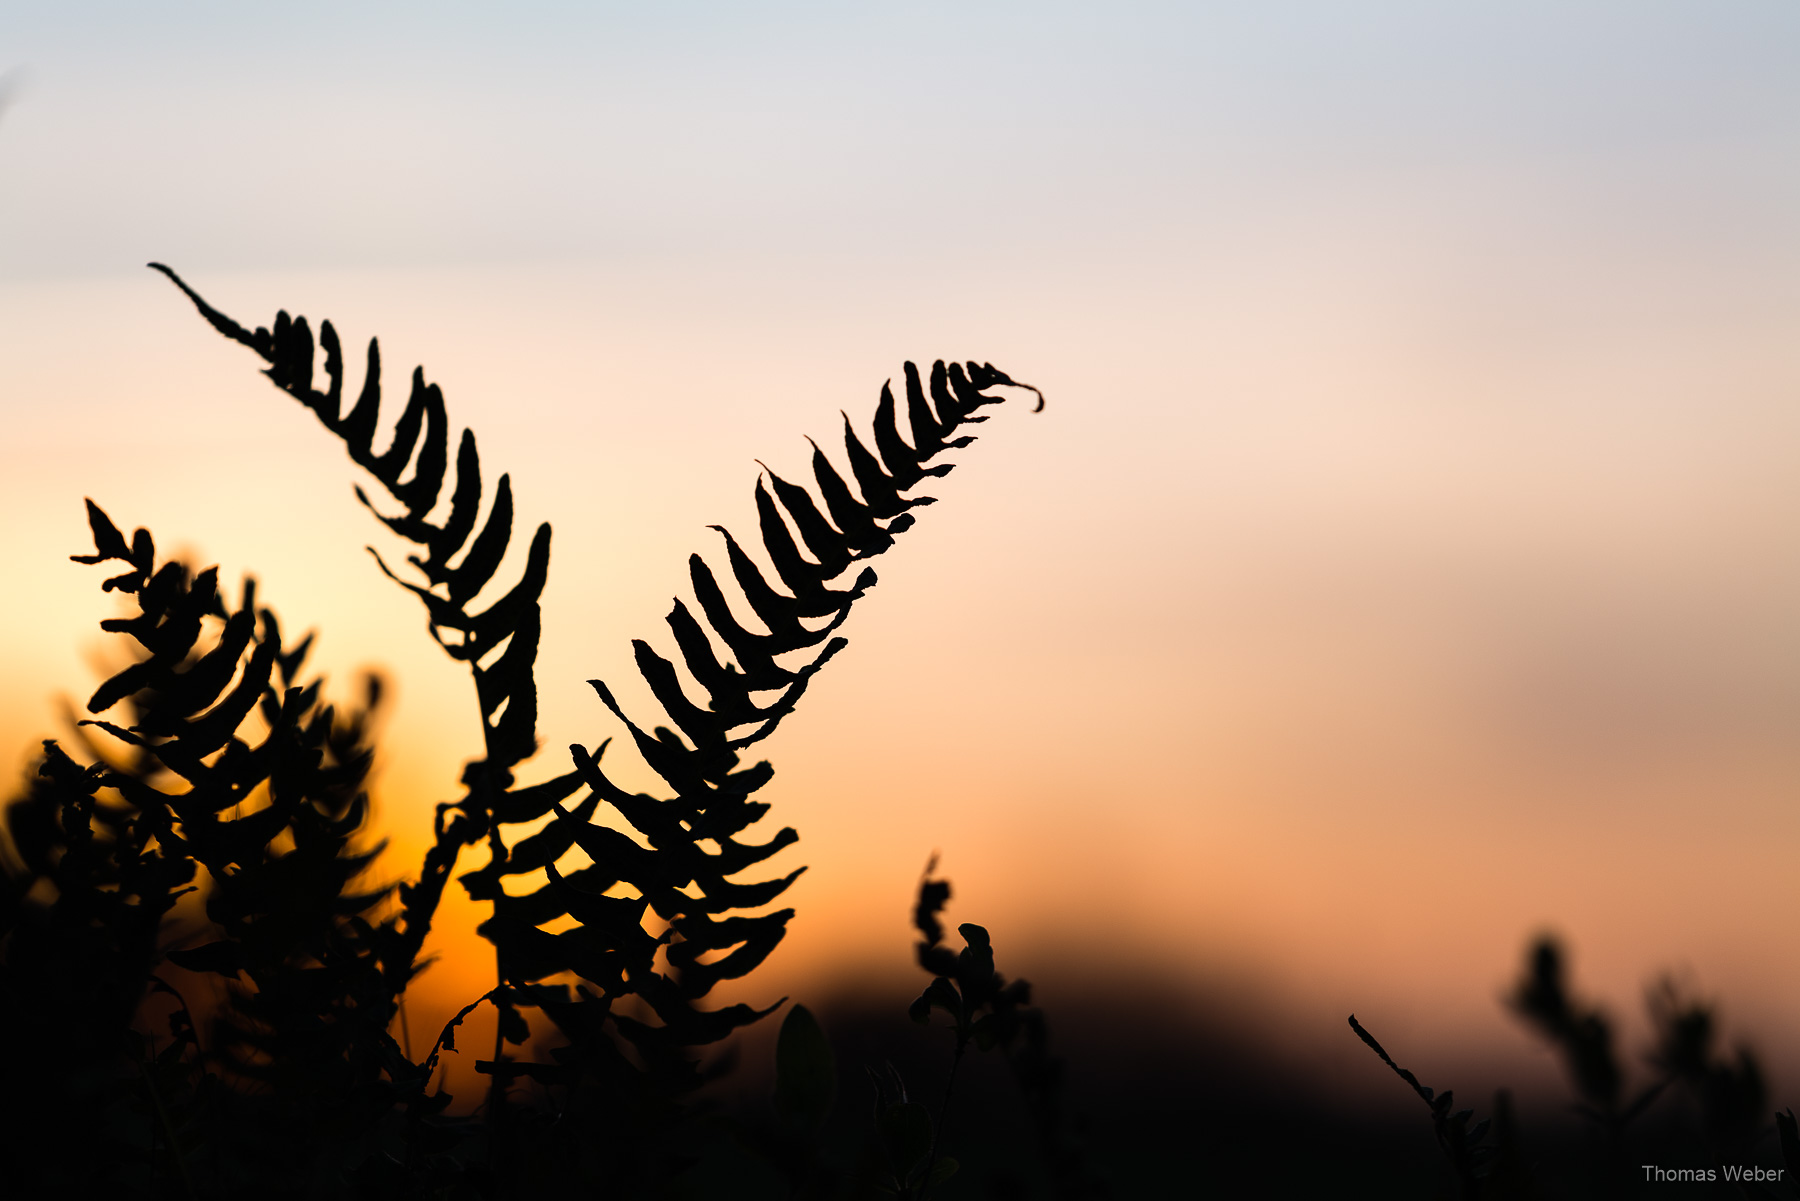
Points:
point(1406, 560)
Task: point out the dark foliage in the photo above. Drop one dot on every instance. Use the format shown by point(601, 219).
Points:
point(202, 967)
point(297, 1084)
point(102, 853)
point(1712, 1115)
point(992, 1013)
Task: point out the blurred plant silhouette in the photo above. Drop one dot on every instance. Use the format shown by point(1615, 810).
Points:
point(987, 1010)
point(1716, 1118)
point(227, 778)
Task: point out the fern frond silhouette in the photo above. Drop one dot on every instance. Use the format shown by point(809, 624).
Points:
point(625, 1002)
point(506, 689)
point(712, 793)
point(265, 825)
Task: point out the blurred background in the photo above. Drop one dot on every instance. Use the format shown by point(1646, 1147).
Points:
point(1405, 562)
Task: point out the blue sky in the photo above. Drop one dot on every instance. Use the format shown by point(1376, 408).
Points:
point(352, 135)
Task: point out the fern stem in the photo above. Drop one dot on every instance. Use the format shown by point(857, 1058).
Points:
point(419, 902)
point(937, 1130)
point(495, 1097)
point(168, 1132)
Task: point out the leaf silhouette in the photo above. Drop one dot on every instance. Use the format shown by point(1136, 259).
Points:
point(659, 918)
point(265, 824)
point(691, 889)
point(507, 688)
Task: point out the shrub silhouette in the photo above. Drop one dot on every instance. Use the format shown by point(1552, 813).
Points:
point(230, 779)
point(1717, 1119)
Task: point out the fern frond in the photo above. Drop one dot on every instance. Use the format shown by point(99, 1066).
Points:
point(300, 786)
point(814, 539)
point(857, 529)
point(690, 888)
point(275, 823)
point(507, 688)
point(458, 562)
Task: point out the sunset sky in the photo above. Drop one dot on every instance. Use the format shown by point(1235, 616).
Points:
point(1407, 560)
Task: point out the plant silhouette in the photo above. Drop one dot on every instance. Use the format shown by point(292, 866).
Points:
point(230, 779)
point(992, 1013)
point(268, 823)
point(203, 958)
point(1717, 1118)
point(1462, 1141)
